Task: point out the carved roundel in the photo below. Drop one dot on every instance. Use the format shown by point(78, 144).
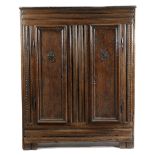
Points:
point(51, 56)
point(104, 55)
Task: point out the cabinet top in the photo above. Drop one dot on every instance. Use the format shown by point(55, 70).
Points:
point(80, 8)
point(78, 15)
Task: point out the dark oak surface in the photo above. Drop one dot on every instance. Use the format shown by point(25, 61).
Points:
point(78, 76)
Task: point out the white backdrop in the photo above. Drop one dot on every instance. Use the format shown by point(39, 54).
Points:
point(10, 78)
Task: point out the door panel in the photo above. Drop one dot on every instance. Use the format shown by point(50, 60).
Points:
point(52, 74)
point(104, 73)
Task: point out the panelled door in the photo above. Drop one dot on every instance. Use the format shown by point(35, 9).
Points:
point(80, 74)
point(107, 66)
point(52, 90)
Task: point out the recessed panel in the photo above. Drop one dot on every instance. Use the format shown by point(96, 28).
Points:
point(52, 71)
point(104, 73)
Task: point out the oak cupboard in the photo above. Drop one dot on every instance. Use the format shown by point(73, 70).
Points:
point(78, 76)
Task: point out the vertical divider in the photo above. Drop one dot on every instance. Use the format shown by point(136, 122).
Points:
point(79, 46)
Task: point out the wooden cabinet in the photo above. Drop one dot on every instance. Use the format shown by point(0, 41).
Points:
point(78, 76)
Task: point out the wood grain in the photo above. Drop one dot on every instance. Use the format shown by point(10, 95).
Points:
point(78, 76)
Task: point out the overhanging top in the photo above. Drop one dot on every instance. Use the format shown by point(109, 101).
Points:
point(126, 13)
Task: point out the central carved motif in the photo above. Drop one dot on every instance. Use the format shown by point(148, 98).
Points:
point(104, 55)
point(51, 56)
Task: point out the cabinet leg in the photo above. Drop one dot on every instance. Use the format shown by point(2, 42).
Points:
point(125, 145)
point(29, 146)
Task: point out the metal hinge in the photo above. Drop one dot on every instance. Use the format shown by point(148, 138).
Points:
point(122, 42)
point(121, 107)
point(33, 103)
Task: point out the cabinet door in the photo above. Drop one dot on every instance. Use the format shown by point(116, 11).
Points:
point(51, 74)
point(107, 74)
